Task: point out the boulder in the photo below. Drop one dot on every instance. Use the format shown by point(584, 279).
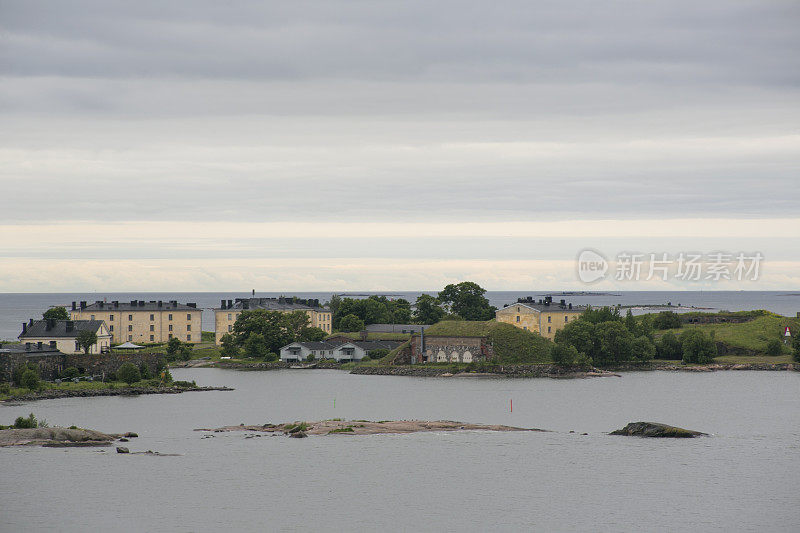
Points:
point(131, 435)
point(122, 449)
point(298, 435)
point(656, 430)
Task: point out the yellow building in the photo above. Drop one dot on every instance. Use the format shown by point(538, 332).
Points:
point(144, 322)
point(544, 317)
point(225, 316)
point(62, 335)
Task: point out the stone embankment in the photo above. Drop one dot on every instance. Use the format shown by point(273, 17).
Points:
point(53, 394)
point(521, 371)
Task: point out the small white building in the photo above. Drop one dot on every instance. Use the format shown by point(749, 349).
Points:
point(63, 334)
point(338, 350)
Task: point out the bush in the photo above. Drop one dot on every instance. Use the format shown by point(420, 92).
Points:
point(166, 375)
point(564, 354)
point(5, 388)
point(380, 353)
point(255, 346)
point(26, 423)
point(774, 347)
point(271, 357)
point(70, 372)
point(311, 357)
point(228, 347)
point(144, 371)
point(173, 345)
point(697, 347)
point(128, 373)
point(111, 377)
point(365, 358)
point(16, 374)
point(351, 323)
point(667, 320)
point(30, 379)
point(643, 349)
point(184, 384)
point(796, 347)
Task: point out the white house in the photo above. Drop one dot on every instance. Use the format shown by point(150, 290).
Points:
point(64, 333)
point(340, 351)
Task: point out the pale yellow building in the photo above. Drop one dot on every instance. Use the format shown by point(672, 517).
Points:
point(62, 335)
point(139, 321)
point(544, 317)
point(225, 316)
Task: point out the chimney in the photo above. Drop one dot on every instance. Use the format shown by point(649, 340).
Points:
point(24, 328)
point(74, 307)
point(563, 303)
point(222, 304)
point(192, 305)
point(50, 324)
point(39, 345)
point(134, 303)
point(230, 305)
point(83, 305)
point(53, 345)
point(27, 347)
point(570, 306)
point(160, 303)
point(30, 322)
point(70, 326)
point(116, 303)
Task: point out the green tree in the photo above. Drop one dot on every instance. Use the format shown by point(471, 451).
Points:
point(294, 323)
point(311, 334)
point(669, 347)
point(630, 322)
point(255, 346)
point(796, 347)
point(128, 373)
point(30, 379)
point(467, 300)
point(144, 371)
point(564, 354)
point(351, 323)
point(774, 347)
point(643, 349)
point(86, 339)
point(275, 328)
point(667, 320)
point(173, 346)
point(70, 372)
point(580, 334)
point(19, 370)
point(604, 314)
point(697, 347)
point(229, 348)
point(428, 310)
point(615, 343)
point(57, 313)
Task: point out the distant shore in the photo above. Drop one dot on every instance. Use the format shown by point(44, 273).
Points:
point(54, 394)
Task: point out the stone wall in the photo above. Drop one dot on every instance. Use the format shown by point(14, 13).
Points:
point(51, 365)
point(451, 349)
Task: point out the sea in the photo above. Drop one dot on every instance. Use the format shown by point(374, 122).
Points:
point(744, 476)
point(16, 308)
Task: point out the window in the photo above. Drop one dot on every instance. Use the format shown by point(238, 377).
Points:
point(130, 337)
point(188, 327)
point(517, 318)
point(549, 318)
point(525, 328)
point(230, 328)
point(188, 316)
point(170, 335)
point(230, 315)
point(188, 337)
point(170, 328)
point(77, 347)
point(170, 316)
point(130, 328)
point(110, 317)
point(152, 316)
point(517, 309)
point(548, 329)
point(130, 317)
point(566, 319)
point(111, 328)
point(92, 317)
point(152, 338)
point(152, 327)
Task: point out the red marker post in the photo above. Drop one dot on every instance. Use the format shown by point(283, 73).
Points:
point(512, 405)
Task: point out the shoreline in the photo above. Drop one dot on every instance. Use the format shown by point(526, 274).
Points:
point(56, 394)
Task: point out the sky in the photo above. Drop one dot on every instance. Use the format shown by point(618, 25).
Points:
point(221, 146)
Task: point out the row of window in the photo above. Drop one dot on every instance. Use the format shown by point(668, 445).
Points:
point(152, 317)
point(549, 318)
point(152, 327)
point(153, 338)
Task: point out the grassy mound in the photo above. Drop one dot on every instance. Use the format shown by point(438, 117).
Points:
point(510, 344)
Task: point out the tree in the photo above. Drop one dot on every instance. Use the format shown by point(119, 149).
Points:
point(669, 347)
point(615, 342)
point(229, 346)
point(428, 310)
point(144, 371)
point(351, 323)
point(128, 373)
point(275, 328)
point(173, 346)
point(255, 346)
point(697, 347)
point(630, 322)
point(19, 370)
point(564, 354)
point(467, 300)
point(643, 349)
point(580, 334)
point(311, 334)
point(86, 339)
point(796, 347)
point(70, 372)
point(30, 379)
point(57, 313)
point(774, 347)
point(667, 320)
point(604, 314)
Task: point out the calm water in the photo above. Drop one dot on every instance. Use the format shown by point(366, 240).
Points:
point(18, 308)
point(744, 478)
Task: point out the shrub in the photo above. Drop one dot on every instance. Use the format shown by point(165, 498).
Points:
point(380, 353)
point(144, 371)
point(667, 320)
point(70, 372)
point(173, 345)
point(228, 345)
point(16, 374)
point(643, 349)
point(111, 376)
point(311, 357)
point(128, 373)
point(351, 323)
point(26, 423)
point(166, 375)
point(5, 388)
point(30, 379)
point(365, 358)
point(774, 347)
point(271, 356)
point(697, 347)
point(255, 346)
point(796, 347)
point(184, 384)
point(669, 347)
point(564, 354)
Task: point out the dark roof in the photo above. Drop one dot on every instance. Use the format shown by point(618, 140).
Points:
point(58, 328)
point(552, 308)
point(138, 305)
point(365, 345)
point(28, 348)
point(318, 345)
point(274, 304)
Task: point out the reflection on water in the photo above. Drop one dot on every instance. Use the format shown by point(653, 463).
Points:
point(745, 477)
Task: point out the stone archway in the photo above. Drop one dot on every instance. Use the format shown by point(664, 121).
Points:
point(454, 357)
point(467, 357)
point(441, 357)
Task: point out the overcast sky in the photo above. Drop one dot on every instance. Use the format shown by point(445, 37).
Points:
point(212, 145)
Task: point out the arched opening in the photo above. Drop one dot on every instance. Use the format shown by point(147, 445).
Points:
point(467, 358)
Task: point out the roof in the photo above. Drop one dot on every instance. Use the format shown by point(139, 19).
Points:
point(394, 328)
point(59, 328)
point(137, 305)
point(128, 345)
point(552, 308)
point(30, 348)
point(274, 304)
point(364, 345)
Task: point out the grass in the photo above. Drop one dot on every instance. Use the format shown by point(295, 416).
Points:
point(342, 430)
point(71, 386)
point(373, 336)
point(744, 359)
point(753, 335)
point(510, 344)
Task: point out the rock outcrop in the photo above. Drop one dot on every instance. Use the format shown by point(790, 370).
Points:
point(656, 430)
point(54, 437)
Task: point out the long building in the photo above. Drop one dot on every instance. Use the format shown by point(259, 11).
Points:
point(544, 317)
point(144, 322)
point(229, 310)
